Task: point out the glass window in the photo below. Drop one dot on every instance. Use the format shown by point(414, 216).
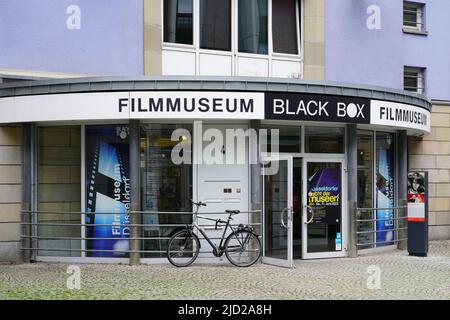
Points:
point(385, 187)
point(289, 139)
point(178, 20)
point(215, 24)
point(324, 140)
point(413, 79)
point(166, 186)
point(252, 26)
point(365, 185)
point(284, 26)
point(59, 189)
point(413, 16)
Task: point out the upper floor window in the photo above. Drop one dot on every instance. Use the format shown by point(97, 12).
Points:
point(252, 26)
point(285, 26)
point(413, 17)
point(178, 21)
point(234, 25)
point(215, 24)
point(413, 79)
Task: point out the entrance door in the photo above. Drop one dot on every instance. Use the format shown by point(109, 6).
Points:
point(324, 222)
point(278, 213)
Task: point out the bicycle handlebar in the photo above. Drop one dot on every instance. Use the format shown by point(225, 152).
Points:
point(198, 204)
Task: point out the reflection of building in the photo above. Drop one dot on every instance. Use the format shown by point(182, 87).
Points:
point(281, 46)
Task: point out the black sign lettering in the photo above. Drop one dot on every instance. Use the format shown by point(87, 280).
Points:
point(311, 107)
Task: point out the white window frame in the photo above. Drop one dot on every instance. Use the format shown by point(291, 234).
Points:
point(419, 8)
point(420, 76)
point(234, 52)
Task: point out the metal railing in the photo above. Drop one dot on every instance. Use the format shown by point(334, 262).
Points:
point(367, 231)
point(41, 231)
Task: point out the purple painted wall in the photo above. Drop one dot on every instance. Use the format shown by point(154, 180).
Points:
point(34, 36)
point(377, 57)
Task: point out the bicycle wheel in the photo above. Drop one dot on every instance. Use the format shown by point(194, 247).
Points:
point(183, 248)
point(243, 248)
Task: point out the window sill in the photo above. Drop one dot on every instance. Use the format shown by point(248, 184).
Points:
point(415, 31)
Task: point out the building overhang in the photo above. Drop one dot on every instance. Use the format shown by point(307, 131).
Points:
point(125, 98)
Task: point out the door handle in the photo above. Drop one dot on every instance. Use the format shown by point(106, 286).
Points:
point(309, 210)
point(283, 224)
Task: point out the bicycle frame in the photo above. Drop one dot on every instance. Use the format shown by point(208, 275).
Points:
point(217, 250)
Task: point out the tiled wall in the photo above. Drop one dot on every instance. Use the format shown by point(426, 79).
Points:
point(314, 39)
point(10, 192)
point(432, 153)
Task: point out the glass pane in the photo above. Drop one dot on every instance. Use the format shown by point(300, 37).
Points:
point(284, 26)
point(59, 188)
point(178, 21)
point(324, 140)
point(252, 26)
point(107, 190)
point(215, 24)
point(275, 201)
point(289, 139)
point(365, 185)
point(324, 198)
point(166, 186)
point(385, 187)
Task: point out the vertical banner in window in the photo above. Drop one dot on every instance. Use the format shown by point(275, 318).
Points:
point(385, 188)
point(107, 190)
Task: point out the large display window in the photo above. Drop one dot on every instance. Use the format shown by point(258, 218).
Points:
point(385, 187)
point(376, 188)
point(166, 187)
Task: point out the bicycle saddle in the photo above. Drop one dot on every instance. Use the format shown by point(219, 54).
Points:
point(232, 211)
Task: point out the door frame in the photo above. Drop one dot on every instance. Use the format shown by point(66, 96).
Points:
point(344, 209)
point(289, 262)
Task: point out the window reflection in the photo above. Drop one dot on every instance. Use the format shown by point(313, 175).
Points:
point(215, 24)
point(284, 26)
point(252, 26)
point(365, 185)
point(324, 140)
point(178, 21)
point(166, 187)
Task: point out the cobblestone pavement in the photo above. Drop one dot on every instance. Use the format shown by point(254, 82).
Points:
point(402, 277)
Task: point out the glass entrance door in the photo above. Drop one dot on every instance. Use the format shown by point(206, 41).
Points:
point(278, 242)
point(324, 200)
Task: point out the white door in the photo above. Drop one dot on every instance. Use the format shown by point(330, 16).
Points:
point(220, 185)
point(324, 218)
point(277, 213)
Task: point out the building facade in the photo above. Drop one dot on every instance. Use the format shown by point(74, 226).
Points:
point(250, 61)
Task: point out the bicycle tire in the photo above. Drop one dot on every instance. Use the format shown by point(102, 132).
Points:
point(236, 248)
point(177, 245)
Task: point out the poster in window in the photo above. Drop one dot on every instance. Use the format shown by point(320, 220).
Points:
point(107, 191)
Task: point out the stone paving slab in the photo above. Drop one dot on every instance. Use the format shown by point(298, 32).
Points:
point(401, 277)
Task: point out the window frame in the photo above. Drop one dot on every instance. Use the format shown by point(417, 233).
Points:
point(195, 47)
point(419, 75)
point(419, 9)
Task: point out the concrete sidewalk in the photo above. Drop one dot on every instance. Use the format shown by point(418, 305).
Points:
point(401, 277)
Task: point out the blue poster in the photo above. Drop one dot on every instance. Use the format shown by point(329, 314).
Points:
point(385, 192)
point(324, 187)
point(107, 191)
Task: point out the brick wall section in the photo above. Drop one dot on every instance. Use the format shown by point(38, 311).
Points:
point(10, 192)
point(432, 153)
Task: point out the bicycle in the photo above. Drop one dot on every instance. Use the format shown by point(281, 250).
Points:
point(242, 246)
